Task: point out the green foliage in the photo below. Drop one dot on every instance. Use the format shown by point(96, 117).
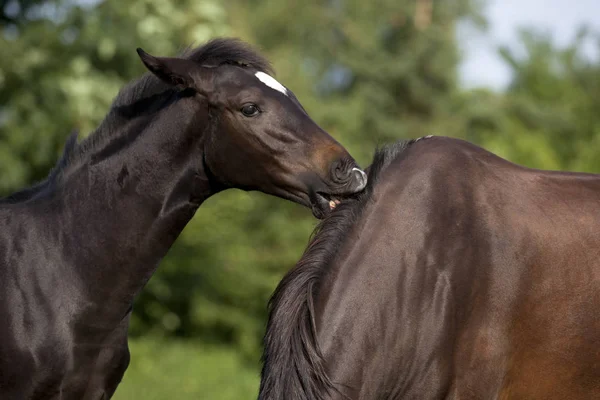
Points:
point(217, 279)
point(369, 72)
point(548, 116)
point(61, 67)
point(161, 370)
point(554, 102)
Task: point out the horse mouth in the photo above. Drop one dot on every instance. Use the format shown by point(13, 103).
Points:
point(324, 203)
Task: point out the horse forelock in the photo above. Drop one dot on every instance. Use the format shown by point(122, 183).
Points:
point(292, 360)
point(229, 50)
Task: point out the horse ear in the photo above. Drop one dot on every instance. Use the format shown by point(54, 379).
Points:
point(174, 71)
point(179, 72)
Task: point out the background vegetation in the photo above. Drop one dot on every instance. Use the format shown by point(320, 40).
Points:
point(369, 72)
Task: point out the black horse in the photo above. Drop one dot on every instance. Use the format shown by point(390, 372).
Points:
point(455, 275)
point(77, 248)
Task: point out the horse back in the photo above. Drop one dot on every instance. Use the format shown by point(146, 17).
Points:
point(482, 277)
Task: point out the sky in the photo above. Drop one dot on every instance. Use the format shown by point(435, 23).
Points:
point(482, 65)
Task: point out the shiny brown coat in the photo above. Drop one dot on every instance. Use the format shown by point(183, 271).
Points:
point(455, 275)
point(78, 247)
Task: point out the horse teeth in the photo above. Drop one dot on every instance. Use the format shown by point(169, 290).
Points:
point(332, 204)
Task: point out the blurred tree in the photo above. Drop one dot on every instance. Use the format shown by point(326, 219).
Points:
point(64, 61)
point(548, 118)
point(385, 69)
point(369, 72)
point(16, 11)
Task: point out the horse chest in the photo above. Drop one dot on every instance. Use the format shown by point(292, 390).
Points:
point(61, 368)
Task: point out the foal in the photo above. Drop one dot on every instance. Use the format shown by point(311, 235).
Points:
point(77, 248)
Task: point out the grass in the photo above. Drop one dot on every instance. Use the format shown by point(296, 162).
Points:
point(165, 370)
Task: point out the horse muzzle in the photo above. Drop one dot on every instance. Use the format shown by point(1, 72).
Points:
point(360, 180)
point(352, 181)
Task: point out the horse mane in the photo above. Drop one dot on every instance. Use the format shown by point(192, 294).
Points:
point(292, 360)
point(213, 53)
point(143, 96)
point(32, 191)
point(148, 93)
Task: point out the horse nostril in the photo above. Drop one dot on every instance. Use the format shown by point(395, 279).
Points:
point(340, 174)
point(361, 179)
point(353, 179)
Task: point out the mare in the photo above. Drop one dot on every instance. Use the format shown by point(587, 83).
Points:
point(456, 274)
point(77, 248)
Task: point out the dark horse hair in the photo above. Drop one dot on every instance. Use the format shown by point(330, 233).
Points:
point(78, 248)
point(142, 96)
point(214, 53)
point(292, 356)
point(26, 194)
point(146, 94)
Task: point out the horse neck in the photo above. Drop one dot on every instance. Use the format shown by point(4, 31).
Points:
point(125, 204)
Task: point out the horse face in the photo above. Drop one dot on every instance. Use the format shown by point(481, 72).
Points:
point(261, 138)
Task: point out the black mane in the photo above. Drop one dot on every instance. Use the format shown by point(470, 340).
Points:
point(146, 94)
point(292, 358)
point(143, 96)
point(32, 191)
point(213, 53)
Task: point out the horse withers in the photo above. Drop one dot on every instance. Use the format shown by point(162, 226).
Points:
point(455, 275)
point(77, 248)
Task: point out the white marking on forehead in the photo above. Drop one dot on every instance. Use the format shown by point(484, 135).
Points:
point(271, 82)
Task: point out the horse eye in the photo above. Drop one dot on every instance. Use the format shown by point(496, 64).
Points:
point(250, 110)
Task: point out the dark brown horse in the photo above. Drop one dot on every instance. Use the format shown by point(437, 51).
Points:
point(77, 248)
point(455, 275)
